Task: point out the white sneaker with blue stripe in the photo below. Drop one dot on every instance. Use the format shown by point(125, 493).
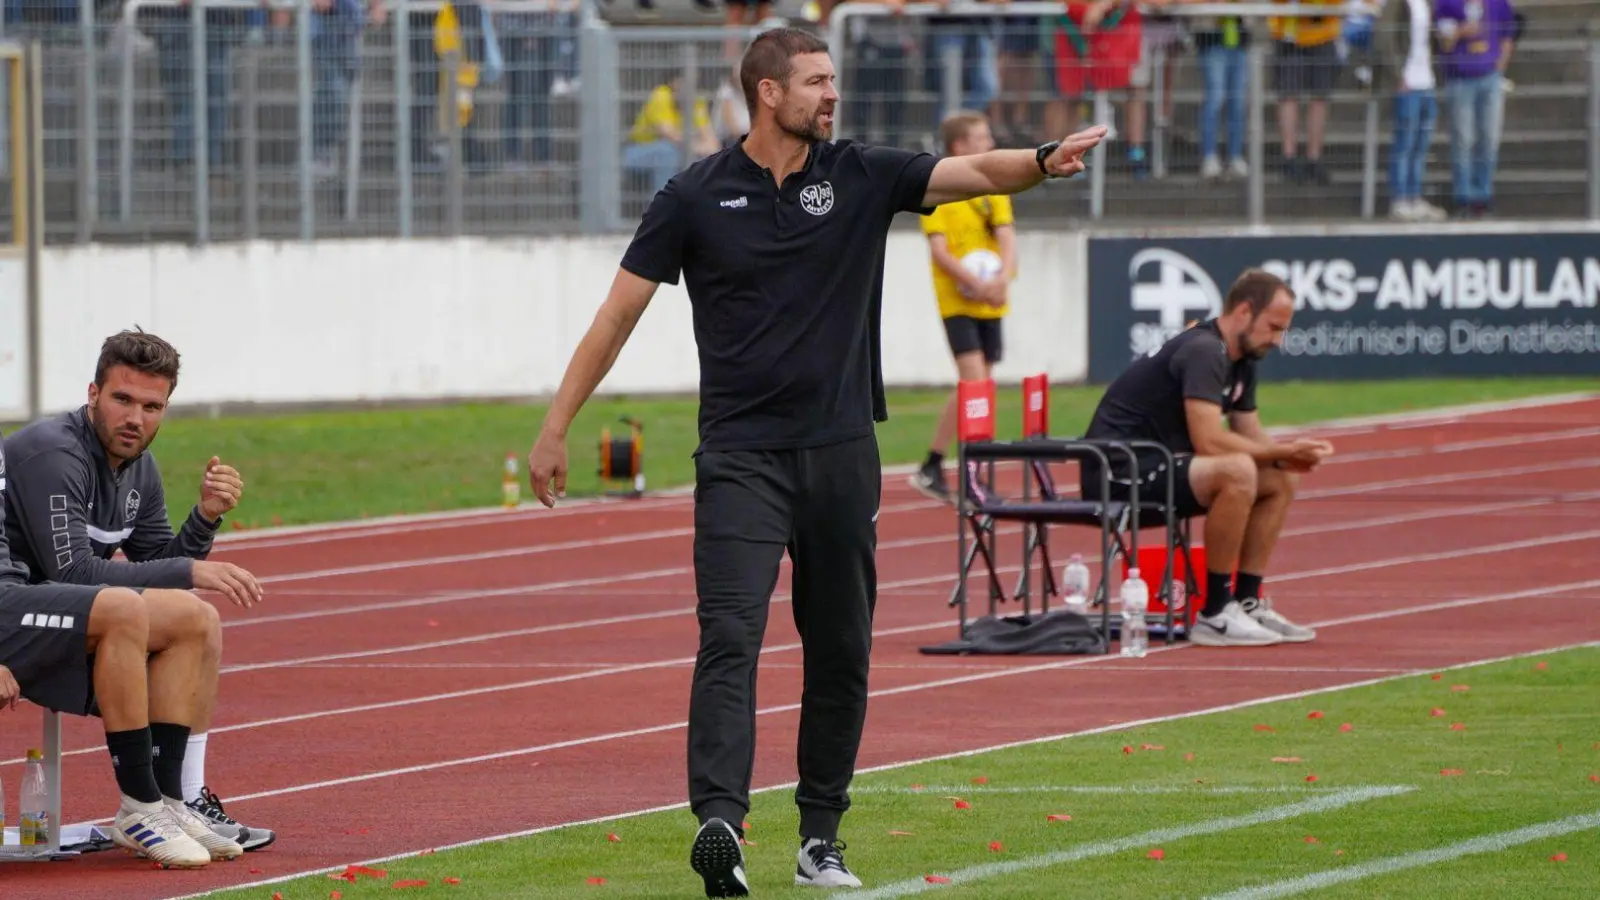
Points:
point(153, 830)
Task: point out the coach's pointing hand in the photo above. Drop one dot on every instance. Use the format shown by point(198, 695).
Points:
point(547, 468)
point(220, 490)
point(1067, 159)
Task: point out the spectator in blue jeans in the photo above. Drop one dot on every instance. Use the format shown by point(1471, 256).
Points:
point(1409, 28)
point(336, 29)
point(1222, 44)
point(1475, 38)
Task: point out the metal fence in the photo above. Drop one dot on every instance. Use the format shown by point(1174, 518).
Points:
point(343, 118)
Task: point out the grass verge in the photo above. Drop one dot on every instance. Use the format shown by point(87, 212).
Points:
point(1409, 764)
point(314, 467)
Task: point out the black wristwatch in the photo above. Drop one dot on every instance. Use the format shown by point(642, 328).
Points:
point(1043, 153)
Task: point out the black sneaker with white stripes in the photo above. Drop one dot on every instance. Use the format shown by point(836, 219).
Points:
point(209, 806)
point(718, 859)
point(822, 865)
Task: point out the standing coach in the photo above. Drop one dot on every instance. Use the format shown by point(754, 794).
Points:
point(780, 241)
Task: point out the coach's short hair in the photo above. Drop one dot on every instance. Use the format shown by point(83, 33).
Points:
point(1256, 287)
point(771, 56)
point(138, 350)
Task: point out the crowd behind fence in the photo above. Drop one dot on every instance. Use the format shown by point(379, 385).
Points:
point(342, 118)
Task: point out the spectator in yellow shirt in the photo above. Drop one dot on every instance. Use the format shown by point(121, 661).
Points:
point(1306, 66)
point(655, 145)
point(973, 248)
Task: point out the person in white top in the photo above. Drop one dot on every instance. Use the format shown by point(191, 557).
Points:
point(1409, 26)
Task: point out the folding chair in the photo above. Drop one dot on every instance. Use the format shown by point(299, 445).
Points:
point(1153, 511)
point(51, 848)
point(980, 505)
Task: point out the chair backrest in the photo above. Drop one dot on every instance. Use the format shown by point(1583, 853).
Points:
point(1036, 406)
point(975, 410)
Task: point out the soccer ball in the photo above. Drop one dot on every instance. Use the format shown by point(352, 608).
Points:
point(985, 264)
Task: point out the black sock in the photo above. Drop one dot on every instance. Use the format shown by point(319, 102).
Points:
point(935, 460)
point(131, 760)
point(1219, 591)
point(169, 743)
point(1249, 587)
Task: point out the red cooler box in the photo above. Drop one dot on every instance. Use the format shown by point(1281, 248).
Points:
point(1152, 562)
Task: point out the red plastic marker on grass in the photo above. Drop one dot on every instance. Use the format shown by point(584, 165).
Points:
point(1158, 853)
point(962, 804)
point(931, 879)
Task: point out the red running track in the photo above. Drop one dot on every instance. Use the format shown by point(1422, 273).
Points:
point(479, 666)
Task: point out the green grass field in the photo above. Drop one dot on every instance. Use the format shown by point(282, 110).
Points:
point(1425, 763)
point(323, 466)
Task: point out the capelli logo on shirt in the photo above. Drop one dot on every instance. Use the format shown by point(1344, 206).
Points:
point(736, 203)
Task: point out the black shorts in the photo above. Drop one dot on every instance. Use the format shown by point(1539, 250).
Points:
point(1152, 482)
point(44, 640)
point(967, 335)
point(1305, 71)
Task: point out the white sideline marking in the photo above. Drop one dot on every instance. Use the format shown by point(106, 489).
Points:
point(1141, 841)
point(888, 767)
point(358, 529)
point(608, 580)
point(942, 791)
point(1489, 843)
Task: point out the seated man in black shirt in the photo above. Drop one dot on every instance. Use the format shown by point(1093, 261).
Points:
point(1238, 477)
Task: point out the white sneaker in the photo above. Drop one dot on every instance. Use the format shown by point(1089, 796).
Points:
point(1238, 168)
point(1210, 168)
point(1263, 613)
point(153, 830)
point(821, 864)
point(196, 826)
point(1231, 628)
point(717, 858)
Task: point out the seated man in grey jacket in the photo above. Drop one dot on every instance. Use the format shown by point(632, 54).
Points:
point(83, 485)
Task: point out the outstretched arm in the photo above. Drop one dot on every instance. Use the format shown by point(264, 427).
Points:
point(957, 178)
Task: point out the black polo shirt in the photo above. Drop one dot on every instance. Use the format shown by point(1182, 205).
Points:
point(786, 287)
point(1146, 401)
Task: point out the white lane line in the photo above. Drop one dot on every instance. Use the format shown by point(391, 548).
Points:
point(907, 763)
point(357, 529)
point(1489, 843)
point(1349, 568)
point(607, 580)
point(1144, 840)
point(916, 687)
point(602, 672)
point(632, 537)
point(942, 791)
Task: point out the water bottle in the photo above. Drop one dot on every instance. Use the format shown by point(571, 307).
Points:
point(510, 484)
point(1135, 602)
point(1075, 584)
point(33, 804)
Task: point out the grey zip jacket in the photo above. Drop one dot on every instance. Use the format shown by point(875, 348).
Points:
point(67, 512)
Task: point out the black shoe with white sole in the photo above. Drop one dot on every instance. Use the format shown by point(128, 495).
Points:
point(717, 858)
point(822, 865)
point(929, 481)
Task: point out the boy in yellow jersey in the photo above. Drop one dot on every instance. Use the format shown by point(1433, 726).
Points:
point(973, 249)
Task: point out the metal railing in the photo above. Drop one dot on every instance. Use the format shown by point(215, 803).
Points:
point(539, 134)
